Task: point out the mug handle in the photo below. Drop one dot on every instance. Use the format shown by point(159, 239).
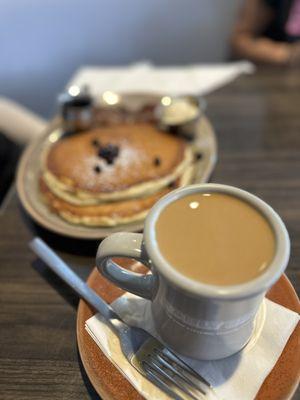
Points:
point(129, 245)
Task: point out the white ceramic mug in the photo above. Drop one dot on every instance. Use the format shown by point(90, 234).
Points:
point(196, 319)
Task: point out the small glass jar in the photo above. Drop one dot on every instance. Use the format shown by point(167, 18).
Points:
point(76, 109)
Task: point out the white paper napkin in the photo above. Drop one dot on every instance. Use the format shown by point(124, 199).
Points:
point(234, 378)
point(143, 77)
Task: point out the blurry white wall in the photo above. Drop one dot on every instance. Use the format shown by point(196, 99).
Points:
point(43, 42)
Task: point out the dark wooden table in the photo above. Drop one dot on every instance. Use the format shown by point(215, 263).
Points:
point(257, 119)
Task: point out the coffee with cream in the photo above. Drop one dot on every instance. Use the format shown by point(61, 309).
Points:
point(215, 238)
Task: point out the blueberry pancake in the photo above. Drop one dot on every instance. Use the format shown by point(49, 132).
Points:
point(114, 163)
point(109, 213)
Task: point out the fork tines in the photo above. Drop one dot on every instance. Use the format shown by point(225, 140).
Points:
point(174, 376)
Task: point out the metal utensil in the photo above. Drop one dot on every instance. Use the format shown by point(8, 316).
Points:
point(145, 353)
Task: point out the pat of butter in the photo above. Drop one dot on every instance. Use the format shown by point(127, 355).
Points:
point(179, 111)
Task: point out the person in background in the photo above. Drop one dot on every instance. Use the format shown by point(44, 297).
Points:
point(18, 126)
point(268, 31)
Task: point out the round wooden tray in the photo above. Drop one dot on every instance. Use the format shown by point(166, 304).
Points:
point(110, 383)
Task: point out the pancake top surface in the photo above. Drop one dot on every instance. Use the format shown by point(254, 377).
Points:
point(115, 158)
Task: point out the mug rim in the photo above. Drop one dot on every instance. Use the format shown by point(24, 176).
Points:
point(257, 285)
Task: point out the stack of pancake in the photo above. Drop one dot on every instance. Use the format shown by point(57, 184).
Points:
point(113, 175)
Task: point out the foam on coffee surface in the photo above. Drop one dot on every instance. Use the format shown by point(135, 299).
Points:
point(215, 238)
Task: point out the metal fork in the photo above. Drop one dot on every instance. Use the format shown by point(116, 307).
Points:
point(144, 352)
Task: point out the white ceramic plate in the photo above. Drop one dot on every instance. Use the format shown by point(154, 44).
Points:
point(29, 171)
